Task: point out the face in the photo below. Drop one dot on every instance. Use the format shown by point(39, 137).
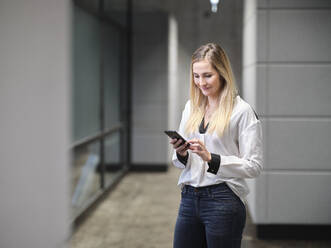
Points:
point(206, 78)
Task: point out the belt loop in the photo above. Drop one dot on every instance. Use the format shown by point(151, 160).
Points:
point(185, 189)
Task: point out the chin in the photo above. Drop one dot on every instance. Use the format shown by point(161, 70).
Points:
point(206, 93)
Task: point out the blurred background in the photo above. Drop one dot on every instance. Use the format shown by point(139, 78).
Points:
point(87, 88)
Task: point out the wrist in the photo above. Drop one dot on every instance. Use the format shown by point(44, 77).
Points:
point(183, 154)
point(209, 157)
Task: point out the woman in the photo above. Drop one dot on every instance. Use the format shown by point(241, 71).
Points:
point(223, 147)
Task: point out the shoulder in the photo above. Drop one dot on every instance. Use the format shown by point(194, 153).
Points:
point(187, 106)
point(244, 112)
point(186, 110)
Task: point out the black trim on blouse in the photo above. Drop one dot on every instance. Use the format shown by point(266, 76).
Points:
point(214, 163)
point(182, 159)
point(202, 128)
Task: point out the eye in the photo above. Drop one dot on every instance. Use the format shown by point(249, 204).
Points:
point(208, 75)
point(196, 76)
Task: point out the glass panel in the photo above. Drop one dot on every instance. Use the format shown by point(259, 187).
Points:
point(112, 75)
point(89, 5)
point(86, 74)
point(85, 175)
point(112, 156)
point(116, 10)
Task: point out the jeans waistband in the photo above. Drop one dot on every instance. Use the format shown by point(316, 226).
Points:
point(205, 189)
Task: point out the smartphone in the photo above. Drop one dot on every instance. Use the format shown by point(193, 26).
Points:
point(174, 135)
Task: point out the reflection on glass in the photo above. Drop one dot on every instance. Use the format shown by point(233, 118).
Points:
point(91, 5)
point(112, 75)
point(116, 10)
point(85, 175)
point(91, 57)
point(86, 74)
point(112, 156)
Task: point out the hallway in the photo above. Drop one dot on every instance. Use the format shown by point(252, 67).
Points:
point(141, 213)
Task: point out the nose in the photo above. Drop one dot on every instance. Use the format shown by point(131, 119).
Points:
point(202, 82)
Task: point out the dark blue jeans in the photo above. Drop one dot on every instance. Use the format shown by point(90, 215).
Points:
point(211, 216)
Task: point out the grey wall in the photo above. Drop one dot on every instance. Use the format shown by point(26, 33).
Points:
point(34, 127)
point(287, 79)
point(150, 86)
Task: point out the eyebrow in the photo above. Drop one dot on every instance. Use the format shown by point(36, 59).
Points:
point(204, 72)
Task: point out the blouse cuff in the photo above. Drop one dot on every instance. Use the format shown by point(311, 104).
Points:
point(182, 159)
point(214, 163)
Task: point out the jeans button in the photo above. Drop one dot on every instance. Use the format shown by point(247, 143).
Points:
point(196, 190)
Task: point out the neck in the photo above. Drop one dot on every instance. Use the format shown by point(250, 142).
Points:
point(213, 102)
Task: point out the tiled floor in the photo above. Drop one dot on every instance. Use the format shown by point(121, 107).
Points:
point(141, 213)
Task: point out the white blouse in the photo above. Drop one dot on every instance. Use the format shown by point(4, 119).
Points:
point(240, 150)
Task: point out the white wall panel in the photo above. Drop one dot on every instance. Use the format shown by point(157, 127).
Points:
point(257, 198)
point(298, 144)
point(298, 4)
point(300, 35)
point(262, 35)
point(299, 198)
point(263, 3)
point(295, 90)
point(261, 89)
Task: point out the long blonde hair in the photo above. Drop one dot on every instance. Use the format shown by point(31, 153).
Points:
point(221, 117)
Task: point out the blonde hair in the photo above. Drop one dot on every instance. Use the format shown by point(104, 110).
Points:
point(220, 119)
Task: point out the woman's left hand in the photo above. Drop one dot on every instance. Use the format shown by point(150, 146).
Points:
point(198, 147)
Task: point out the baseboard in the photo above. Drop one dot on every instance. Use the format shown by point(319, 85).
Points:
point(110, 167)
point(113, 167)
point(298, 232)
point(149, 167)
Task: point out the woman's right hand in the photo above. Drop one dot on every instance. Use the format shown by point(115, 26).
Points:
point(181, 149)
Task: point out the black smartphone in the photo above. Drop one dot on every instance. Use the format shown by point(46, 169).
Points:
point(174, 135)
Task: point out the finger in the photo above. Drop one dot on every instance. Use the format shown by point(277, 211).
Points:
point(194, 146)
point(195, 141)
point(182, 147)
point(173, 141)
point(200, 142)
point(178, 143)
point(196, 152)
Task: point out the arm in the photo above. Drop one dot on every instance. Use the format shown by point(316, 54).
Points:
point(249, 162)
point(177, 160)
point(182, 159)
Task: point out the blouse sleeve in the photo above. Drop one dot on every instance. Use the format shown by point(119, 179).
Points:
point(178, 162)
point(249, 163)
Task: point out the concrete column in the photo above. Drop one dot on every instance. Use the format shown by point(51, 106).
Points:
point(150, 88)
point(34, 127)
point(286, 76)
